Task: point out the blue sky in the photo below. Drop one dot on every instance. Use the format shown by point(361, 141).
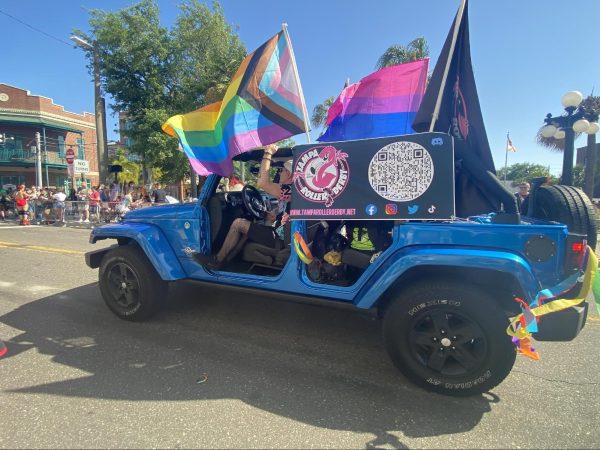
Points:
point(526, 54)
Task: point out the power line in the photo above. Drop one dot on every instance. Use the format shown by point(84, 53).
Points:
point(36, 29)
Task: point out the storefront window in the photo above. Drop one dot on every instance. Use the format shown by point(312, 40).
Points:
point(61, 146)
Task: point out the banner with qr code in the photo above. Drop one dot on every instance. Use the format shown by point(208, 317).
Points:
point(407, 177)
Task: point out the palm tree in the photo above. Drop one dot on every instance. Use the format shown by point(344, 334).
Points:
point(319, 114)
point(398, 54)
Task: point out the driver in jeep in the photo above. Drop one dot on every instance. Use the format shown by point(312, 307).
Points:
point(255, 232)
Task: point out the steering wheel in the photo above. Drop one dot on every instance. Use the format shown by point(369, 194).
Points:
point(254, 202)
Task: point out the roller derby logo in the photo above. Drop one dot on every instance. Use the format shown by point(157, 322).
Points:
point(321, 174)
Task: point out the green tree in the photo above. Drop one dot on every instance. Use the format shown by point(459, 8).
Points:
point(152, 72)
point(578, 176)
point(319, 114)
point(131, 170)
point(520, 172)
point(399, 54)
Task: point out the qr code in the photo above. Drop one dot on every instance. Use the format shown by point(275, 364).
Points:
point(401, 171)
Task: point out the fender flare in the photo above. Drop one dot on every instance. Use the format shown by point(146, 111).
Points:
point(402, 261)
point(151, 240)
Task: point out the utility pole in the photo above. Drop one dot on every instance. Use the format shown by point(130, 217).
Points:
point(100, 110)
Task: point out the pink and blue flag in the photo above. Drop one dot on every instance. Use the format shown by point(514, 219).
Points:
point(262, 105)
point(383, 103)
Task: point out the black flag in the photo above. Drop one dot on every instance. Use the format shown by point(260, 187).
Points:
point(477, 191)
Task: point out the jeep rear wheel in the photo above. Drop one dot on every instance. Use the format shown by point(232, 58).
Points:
point(130, 286)
point(449, 338)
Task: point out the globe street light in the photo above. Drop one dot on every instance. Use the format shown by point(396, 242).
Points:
point(99, 110)
point(577, 120)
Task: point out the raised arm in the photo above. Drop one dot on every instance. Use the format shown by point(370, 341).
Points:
point(264, 182)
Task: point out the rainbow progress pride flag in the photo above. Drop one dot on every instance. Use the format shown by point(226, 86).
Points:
point(381, 104)
point(262, 105)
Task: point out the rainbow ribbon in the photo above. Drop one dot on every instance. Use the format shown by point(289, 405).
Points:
point(302, 249)
point(522, 325)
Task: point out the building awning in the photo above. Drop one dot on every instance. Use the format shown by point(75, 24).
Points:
point(17, 120)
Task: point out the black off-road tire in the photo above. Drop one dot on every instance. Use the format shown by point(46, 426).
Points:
point(460, 319)
point(130, 285)
point(568, 205)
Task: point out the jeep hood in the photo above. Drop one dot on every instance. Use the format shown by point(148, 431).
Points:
point(155, 212)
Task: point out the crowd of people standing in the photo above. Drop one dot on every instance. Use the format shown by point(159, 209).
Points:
point(49, 205)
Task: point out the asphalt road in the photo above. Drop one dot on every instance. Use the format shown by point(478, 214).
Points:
point(221, 371)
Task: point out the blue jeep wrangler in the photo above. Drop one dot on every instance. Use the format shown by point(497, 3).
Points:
point(444, 290)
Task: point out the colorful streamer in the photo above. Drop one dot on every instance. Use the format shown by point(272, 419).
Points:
point(302, 249)
point(522, 325)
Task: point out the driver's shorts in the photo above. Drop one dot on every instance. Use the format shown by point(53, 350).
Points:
point(262, 234)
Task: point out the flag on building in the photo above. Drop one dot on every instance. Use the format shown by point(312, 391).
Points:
point(459, 114)
point(509, 145)
point(383, 103)
point(262, 105)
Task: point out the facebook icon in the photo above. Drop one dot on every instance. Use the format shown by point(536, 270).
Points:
point(371, 210)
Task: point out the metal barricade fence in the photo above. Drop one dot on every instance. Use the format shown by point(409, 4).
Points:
point(91, 211)
point(50, 211)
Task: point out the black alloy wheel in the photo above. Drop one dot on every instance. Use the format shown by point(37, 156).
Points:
point(124, 286)
point(130, 285)
point(449, 337)
point(447, 342)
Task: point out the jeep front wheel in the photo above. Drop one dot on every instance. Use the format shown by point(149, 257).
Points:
point(449, 338)
point(129, 284)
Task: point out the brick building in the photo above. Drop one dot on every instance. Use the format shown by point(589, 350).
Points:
point(22, 115)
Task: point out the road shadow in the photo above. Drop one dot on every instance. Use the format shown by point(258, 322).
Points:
point(321, 366)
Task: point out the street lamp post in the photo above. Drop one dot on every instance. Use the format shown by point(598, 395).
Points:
point(577, 120)
point(99, 110)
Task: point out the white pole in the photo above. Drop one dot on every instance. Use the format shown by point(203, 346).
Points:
point(506, 157)
point(38, 159)
point(438, 103)
point(297, 77)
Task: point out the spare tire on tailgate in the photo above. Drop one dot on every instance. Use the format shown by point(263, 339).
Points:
point(568, 205)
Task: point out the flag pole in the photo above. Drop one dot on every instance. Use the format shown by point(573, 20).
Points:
point(506, 156)
point(297, 77)
point(438, 103)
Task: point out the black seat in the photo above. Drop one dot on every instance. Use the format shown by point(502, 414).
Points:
point(269, 256)
point(266, 256)
point(275, 257)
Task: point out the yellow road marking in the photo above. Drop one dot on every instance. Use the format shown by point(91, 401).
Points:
point(594, 319)
point(41, 248)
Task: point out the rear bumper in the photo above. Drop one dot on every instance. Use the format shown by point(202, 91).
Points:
point(562, 325)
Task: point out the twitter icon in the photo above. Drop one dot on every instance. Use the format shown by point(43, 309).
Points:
point(412, 209)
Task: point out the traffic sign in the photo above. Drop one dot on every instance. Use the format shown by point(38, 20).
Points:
point(81, 166)
point(70, 156)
